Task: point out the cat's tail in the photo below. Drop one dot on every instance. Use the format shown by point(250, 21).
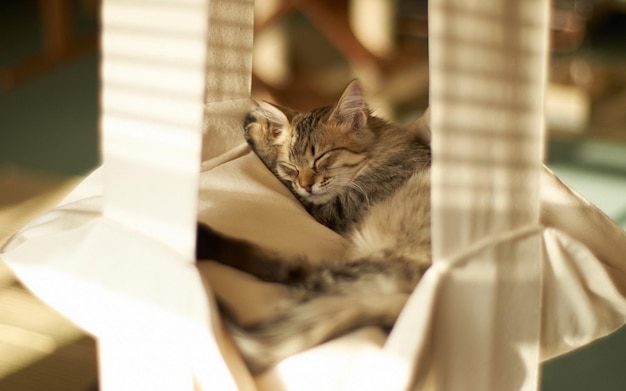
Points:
point(310, 323)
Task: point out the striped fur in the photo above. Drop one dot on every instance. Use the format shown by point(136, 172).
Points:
point(359, 175)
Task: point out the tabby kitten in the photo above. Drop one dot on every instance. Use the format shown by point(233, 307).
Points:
point(364, 178)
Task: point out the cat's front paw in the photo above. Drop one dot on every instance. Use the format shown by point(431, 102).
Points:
point(250, 121)
point(266, 129)
point(257, 130)
point(266, 125)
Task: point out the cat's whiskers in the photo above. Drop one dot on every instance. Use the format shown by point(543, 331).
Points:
point(353, 185)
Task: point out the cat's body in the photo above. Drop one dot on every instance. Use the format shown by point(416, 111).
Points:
point(359, 175)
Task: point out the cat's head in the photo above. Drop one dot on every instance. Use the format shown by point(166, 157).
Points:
point(317, 153)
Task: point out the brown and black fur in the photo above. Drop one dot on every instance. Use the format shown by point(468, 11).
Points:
point(363, 177)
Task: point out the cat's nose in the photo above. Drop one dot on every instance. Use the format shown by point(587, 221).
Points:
point(306, 180)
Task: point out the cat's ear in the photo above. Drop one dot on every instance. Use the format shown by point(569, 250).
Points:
point(421, 126)
point(351, 107)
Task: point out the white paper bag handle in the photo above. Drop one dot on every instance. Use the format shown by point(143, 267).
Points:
point(153, 77)
point(487, 78)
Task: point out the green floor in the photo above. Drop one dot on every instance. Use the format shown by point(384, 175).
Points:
point(50, 123)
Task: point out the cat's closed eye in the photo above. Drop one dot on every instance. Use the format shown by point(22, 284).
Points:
point(338, 158)
point(288, 169)
point(324, 161)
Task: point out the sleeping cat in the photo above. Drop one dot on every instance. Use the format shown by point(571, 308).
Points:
point(363, 177)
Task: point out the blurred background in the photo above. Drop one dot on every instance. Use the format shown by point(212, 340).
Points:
point(305, 53)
